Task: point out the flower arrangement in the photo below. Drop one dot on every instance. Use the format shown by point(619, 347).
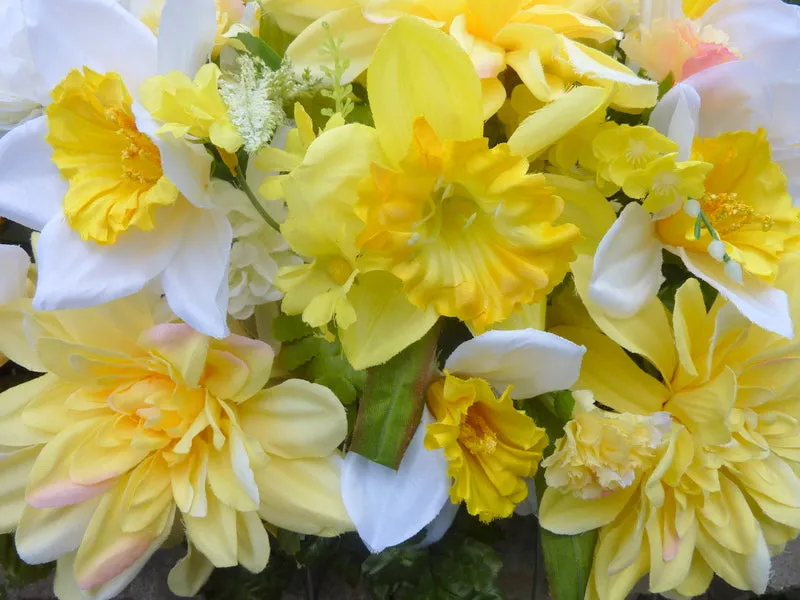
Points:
point(300, 268)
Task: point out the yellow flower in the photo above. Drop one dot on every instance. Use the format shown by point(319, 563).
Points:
point(137, 423)
point(114, 170)
point(746, 201)
point(490, 445)
point(193, 108)
point(665, 181)
point(622, 150)
point(539, 42)
point(602, 452)
point(724, 487)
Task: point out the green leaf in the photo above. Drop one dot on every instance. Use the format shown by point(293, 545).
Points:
point(568, 561)
point(391, 406)
point(258, 47)
point(288, 328)
point(272, 34)
point(342, 387)
point(295, 355)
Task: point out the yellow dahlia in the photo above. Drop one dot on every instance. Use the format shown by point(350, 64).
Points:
point(140, 426)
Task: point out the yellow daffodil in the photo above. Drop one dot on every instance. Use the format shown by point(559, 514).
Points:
point(732, 234)
point(193, 108)
point(721, 487)
point(539, 42)
point(139, 424)
point(472, 445)
point(420, 203)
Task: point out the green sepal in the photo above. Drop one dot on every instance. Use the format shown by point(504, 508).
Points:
point(392, 402)
point(261, 49)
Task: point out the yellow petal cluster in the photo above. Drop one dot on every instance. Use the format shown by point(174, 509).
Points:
point(138, 425)
point(746, 201)
point(491, 446)
point(723, 488)
point(114, 170)
point(193, 108)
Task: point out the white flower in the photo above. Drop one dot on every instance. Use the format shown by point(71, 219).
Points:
point(389, 507)
point(187, 251)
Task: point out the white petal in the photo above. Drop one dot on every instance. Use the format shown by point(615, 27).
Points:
point(676, 116)
point(627, 264)
point(45, 534)
point(78, 274)
point(766, 306)
point(388, 507)
point(99, 34)
point(533, 361)
point(14, 264)
point(186, 165)
point(31, 188)
point(529, 506)
point(196, 280)
point(186, 34)
point(440, 525)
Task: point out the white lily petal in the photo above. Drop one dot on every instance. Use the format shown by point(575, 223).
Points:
point(99, 34)
point(186, 165)
point(532, 361)
point(388, 507)
point(186, 34)
point(14, 263)
point(440, 525)
point(45, 534)
point(31, 188)
point(766, 306)
point(676, 115)
point(78, 274)
point(196, 279)
point(627, 264)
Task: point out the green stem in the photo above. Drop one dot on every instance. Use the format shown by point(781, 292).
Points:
point(240, 179)
point(707, 224)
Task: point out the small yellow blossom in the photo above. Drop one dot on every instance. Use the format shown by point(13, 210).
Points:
point(137, 423)
point(114, 170)
point(746, 201)
point(602, 452)
point(622, 150)
point(664, 182)
point(490, 445)
point(193, 108)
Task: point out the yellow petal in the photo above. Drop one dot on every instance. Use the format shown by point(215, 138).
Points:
point(15, 469)
point(184, 348)
point(215, 534)
point(253, 542)
point(567, 514)
point(417, 71)
point(295, 419)
point(585, 207)
point(612, 376)
point(690, 325)
point(553, 121)
point(304, 495)
point(386, 322)
point(704, 410)
point(13, 430)
point(494, 95)
point(190, 573)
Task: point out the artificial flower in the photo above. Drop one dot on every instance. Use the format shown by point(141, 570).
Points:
point(539, 43)
point(15, 285)
point(138, 425)
point(117, 207)
point(471, 439)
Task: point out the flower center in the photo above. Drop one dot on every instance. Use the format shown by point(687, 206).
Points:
point(339, 270)
point(113, 169)
point(476, 435)
point(728, 214)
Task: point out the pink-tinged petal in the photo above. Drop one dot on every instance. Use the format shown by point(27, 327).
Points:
point(181, 346)
point(99, 274)
point(256, 355)
point(196, 280)
point(99, 34)
point(31, 187)
point(46, 534)
point(186, 33)
point(49, 484)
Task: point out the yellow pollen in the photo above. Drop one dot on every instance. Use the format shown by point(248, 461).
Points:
point(727, 213)
point(113, 169)
point(476, 435)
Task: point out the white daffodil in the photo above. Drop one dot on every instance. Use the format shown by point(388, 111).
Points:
point(472, 444)
point(738, 115)
point(117, 207)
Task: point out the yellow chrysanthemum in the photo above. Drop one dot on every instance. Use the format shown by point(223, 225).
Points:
point(465, 227)
point(549, 47)
point(723, 489)
point(746, 201)
point(193, 108)
point(490, 445)
point(114, 170)
point(136, 422)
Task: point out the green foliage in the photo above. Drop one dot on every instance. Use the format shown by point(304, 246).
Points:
point(258, 47)
point(341, 94)
point(17, 574)
point(273, 35)
point(239, 584)
point(459, 567)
